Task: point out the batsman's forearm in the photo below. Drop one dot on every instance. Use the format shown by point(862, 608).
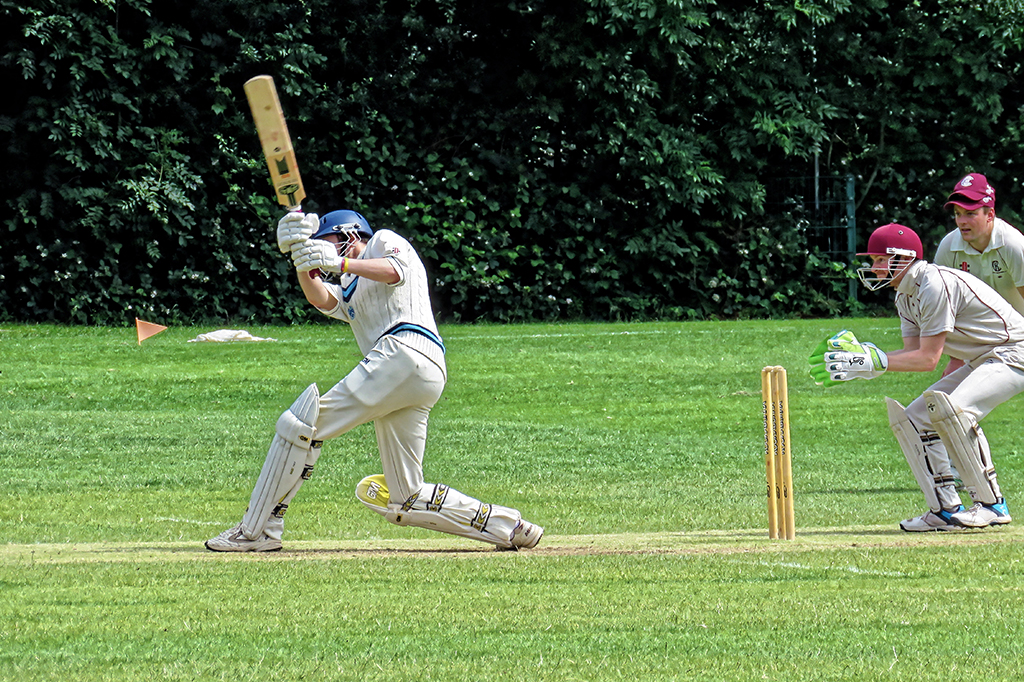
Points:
point(377, 269)
point(316, 293)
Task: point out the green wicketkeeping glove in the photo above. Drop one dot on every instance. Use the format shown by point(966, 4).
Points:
point(843, 358)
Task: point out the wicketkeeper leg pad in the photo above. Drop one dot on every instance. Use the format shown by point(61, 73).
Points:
point(444, 509)
point(967, 446)
point(291, 451)
point(927, 459)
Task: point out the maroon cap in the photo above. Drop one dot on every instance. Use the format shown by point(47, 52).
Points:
point(893, 236)
point(972, 192)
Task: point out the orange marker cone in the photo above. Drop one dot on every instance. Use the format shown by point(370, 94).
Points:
point(147, 329)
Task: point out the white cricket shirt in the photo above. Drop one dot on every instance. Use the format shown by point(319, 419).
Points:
point(374, 309)
point(932, 299)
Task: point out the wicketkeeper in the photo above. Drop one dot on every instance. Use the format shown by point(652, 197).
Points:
point(376, 283)
point(941, 310)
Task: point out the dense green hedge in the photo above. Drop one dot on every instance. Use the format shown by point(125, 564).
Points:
point(551, 159)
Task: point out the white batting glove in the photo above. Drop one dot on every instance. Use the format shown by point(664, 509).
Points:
point(295, 228)
point(315, 254)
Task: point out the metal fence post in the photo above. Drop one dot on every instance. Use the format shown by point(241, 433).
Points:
point(851, 230)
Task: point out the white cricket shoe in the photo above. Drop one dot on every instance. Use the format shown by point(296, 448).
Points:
point(930, 521)
point(983, 515)
point(232, 540)
point(526, 535)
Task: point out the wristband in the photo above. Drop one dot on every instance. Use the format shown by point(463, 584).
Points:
point(344, 265)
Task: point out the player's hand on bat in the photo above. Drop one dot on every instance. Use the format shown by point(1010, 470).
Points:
point(843, 358)
point(295, 228)
point(315, 254)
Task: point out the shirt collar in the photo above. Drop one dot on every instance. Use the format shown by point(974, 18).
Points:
point(908, 284)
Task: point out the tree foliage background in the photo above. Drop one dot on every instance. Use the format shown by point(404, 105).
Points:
point(550, 159)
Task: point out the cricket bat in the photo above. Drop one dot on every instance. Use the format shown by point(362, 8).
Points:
point(277, 145)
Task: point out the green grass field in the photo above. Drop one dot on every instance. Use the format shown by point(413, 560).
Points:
point(637, 446)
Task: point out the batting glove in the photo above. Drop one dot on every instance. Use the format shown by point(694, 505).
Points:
point(843, 358)
point(295, 228)
point(315, 254)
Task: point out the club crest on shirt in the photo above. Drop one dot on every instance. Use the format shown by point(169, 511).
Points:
point(965, 266)
point(996, 267)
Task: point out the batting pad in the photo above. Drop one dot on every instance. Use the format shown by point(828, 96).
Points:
point(444, 509)
point(373, 492)
point(927, 459)
point(275, 525)
point(967, 446)
point(285, 464)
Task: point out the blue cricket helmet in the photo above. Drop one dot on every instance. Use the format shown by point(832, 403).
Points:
point(343, 222)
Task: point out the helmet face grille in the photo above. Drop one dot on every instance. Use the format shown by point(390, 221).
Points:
point(346, 229)
point(899, 261)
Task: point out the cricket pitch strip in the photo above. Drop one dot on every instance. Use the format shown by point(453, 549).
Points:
point(695, 543)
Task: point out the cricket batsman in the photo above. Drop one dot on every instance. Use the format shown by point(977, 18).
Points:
point(376, 283)
point(941, 310)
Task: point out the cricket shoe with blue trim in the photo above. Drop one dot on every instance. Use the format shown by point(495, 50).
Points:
point(983, 515)
point(929, 521)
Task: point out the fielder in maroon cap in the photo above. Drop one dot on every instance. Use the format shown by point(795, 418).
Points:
point(985, 246)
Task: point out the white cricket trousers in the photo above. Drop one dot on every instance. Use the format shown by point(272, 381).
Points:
point(977, 390)
point(395, 386)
